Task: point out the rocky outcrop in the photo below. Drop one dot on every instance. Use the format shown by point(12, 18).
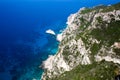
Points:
point(91, 36)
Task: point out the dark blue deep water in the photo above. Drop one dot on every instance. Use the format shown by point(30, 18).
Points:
point(23, 41)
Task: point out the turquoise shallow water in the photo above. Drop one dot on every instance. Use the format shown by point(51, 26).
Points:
point(23, 41)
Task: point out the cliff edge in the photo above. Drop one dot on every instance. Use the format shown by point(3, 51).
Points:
point(89, 48)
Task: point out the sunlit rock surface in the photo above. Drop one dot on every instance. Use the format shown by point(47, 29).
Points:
point(89, 45)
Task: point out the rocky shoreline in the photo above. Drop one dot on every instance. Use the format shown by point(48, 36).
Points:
point(80, 45)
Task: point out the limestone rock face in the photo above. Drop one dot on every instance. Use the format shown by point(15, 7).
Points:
point(92, 35)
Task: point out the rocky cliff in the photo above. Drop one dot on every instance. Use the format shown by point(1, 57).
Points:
point(89, 48)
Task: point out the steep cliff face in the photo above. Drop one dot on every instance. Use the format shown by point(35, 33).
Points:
point(89, 48)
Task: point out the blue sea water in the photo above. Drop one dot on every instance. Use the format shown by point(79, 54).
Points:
point(23, 41)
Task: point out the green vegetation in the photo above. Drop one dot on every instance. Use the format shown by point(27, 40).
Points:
point(77, 53)
point(96, 71)
point(99, 19)
point(113, 32)
point(111, 8)
point(95, 48)
point(97, 8)
point(107, 35)
point(87, 10)
point(66, 53)
point(103, 7)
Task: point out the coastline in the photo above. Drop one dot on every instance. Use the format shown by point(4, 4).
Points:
point(48, 63)
point(56, 64)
